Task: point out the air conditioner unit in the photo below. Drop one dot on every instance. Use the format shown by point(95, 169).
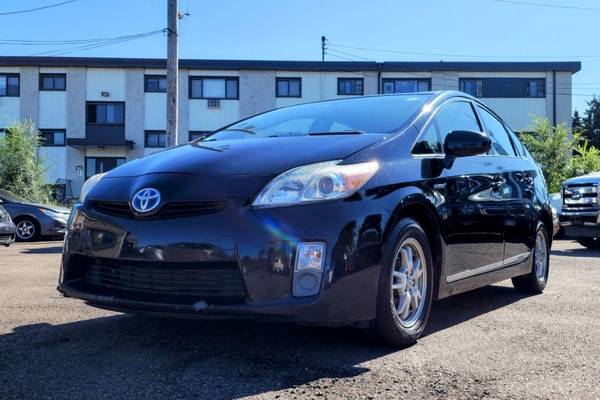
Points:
point(213, 103)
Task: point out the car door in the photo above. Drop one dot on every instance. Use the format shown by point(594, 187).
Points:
point(518, 190)
point(472, 213)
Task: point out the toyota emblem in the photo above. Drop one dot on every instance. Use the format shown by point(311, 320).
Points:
point(145, 200)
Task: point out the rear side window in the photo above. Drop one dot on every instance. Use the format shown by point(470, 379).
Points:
point(457, 115)
point(501, 144)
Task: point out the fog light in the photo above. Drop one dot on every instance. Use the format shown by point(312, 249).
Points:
point(308, 269)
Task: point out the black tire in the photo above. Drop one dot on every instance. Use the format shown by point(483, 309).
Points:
point(35, 235)
point(387, 326)
point(532, 283)
point(590, 243)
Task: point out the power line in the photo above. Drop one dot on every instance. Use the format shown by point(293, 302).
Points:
point(451, 54)
point(100, 44)
point(38, 8)
point(546, 5)
point(19, 42)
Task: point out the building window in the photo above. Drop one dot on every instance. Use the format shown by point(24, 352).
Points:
point(195, 135)
point(474, 87)
point(99, 165)
point(9, 85)
point(536, 87)
point(214, 88)
point(155, 139)
point(155, 83)
point(52, 82)
point(106, 113)
point(504, 87)
point(288, 87)
point(52, 137)
point(392, 85)
point(350, 86)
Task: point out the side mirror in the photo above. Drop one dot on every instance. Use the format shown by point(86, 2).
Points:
point(465, 144)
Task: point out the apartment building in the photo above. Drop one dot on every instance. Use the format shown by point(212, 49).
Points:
point(97, 113)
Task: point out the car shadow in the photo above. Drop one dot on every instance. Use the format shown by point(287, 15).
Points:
point(43, 250)
point(576, 252)
point(121, 356)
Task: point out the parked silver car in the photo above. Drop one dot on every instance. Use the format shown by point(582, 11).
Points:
point(34, 220)
point(7, 228)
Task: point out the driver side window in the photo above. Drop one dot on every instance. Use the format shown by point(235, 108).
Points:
point(457, 115)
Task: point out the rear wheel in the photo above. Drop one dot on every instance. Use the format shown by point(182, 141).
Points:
point(590, 243)
point(405, 286)
point(27, 230)
point(535, 281)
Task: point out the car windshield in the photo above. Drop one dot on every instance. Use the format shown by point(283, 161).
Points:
point(12, 197)
point(377, 114)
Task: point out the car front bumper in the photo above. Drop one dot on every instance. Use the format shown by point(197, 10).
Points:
point(7, 234)
point(580, 224)
point(119, 263)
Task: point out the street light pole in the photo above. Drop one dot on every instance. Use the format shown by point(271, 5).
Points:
point(172, 72)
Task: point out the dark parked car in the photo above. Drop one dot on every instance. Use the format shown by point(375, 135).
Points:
point(7, 228)
point(34, 220)
point(579, 216)
point(358, 211)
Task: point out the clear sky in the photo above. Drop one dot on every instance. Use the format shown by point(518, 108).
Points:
point(412, 30)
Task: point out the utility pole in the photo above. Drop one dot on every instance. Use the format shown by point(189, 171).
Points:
point(172, 72)
point(323, 47)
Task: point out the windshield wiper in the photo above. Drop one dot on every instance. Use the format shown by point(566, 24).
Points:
point(357, 132)
point(247, 130)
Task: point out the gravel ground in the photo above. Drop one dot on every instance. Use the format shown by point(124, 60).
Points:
point(488, 344)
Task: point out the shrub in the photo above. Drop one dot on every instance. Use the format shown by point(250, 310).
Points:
point(21, 168)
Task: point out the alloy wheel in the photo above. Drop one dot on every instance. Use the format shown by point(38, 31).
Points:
point(409, 282)
point(25, 230)
point(540, 256)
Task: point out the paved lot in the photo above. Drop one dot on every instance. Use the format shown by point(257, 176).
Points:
point(491, 343)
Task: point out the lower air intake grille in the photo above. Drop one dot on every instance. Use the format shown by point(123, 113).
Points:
point(168, 210)
point(203, 280)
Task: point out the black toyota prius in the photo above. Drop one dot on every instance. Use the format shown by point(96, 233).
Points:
point(358, 211)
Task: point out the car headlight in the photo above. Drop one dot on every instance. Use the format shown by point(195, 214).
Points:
point(88, 185)
point(54, 215)
point(315, 182)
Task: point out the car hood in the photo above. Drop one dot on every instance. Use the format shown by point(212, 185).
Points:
point(50, 207)
point(593, 177)
point(261, 156)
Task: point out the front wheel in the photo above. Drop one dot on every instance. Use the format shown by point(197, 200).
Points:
point(27, 230)
point(405, 286)
point(535, 281)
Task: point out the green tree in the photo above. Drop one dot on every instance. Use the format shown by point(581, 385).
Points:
point(586, 159)
point(551, 148)
point(591, 122)
point(21, 168)
point(577, 122)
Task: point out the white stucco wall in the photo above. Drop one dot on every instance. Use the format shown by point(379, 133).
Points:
point(111, 80)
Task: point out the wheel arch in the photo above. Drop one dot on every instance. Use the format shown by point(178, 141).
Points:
point(424, 213)
point(546, 217)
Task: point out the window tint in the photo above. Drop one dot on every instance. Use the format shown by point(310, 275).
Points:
point(155, 83)
point(155, 139)
point(53, 82)
point(503, 87)
point(405, 85)
point(501, 144)
point(9, 85)
point(457, 115)
point(213, 88)
point(106, 113)
point(288, 87)
point(350, 86)
point(52, 137)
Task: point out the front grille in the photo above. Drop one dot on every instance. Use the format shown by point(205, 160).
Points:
point(168, 210)
point(203, 280)
point(580, 196)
